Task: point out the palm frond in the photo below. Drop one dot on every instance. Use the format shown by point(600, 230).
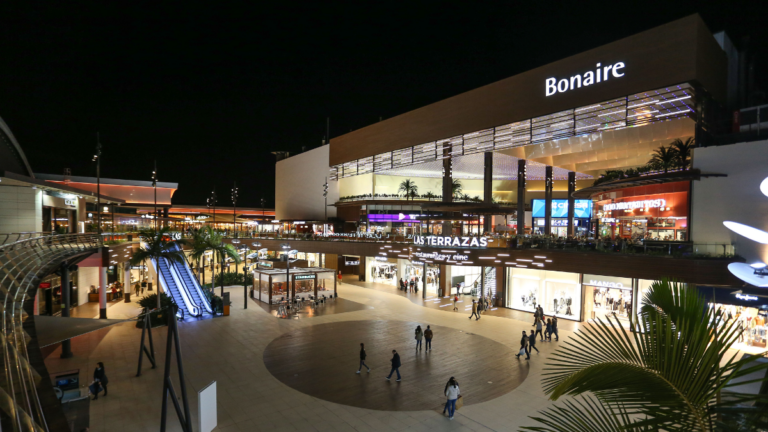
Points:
point(586, 414)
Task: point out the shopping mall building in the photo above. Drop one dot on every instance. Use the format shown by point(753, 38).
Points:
point(498, 168)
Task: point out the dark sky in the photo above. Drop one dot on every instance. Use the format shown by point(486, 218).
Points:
point(209, 91)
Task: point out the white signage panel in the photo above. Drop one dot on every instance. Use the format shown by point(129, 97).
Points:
point(630, 205)
point(206, 408)
point(600, 74)
point(450, 241)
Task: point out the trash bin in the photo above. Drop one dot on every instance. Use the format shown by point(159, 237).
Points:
point(127, 295)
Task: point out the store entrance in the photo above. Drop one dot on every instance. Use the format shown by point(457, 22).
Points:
point(752, 323)
point(382, 271)
point(603, 302)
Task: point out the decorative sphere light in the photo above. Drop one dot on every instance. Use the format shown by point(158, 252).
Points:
point(764, 186)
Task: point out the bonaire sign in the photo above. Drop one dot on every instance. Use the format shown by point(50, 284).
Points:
point(600, 74)
point(450, 241)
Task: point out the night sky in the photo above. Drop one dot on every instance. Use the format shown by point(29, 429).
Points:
point(209, 91)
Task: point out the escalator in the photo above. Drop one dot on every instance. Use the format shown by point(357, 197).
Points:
point(192, 286)
point(173, 286)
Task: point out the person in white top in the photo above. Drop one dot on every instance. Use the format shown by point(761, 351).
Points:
point(452, 392)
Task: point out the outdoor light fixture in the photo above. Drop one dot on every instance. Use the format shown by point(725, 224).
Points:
point(761, 269)
point(256, 245)
point(285, 246)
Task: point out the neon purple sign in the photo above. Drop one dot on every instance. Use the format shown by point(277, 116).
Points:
point(393, 217)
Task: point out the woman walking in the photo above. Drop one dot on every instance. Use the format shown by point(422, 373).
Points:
point(419, 336)
point(100, 377)
point(548, 331)
point(452, 393)
point(539, 325)
point(455, 299)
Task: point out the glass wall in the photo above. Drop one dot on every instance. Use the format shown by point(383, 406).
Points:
point(325, 284)
point(608, 296)
point(382, 270)
point(464, 279)
point(558, 293)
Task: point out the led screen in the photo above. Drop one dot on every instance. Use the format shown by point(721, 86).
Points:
point(560, 208)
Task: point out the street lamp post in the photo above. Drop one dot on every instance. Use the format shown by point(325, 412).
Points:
point(263, 202)
point(154, 186)
point(212, 203)
point(97, 159)
point(234, 211)
point(288, 252)
point(325, 208)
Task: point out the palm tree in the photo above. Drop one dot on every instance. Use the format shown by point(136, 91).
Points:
point(456, 188)
point(429, 196)
point(683, 151)
point(157, 245)
point(465, 198)
point(667, 375)
point(200, 245)
point(664, 157)
point(222, 251)
point(409, 188)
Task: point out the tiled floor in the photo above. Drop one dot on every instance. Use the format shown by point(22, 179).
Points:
point(230, 350)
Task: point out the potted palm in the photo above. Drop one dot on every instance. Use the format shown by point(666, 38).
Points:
point(156, 245)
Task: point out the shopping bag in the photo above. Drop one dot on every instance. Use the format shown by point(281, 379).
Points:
point(522, 352)
point(460, 402)
point(95, 388)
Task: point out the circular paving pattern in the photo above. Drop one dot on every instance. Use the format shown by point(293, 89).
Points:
point(321, 361)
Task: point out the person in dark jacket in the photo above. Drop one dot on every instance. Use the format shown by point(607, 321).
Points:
point(362, 359)
point(395, 365)
point(524, 346)
point(101, 377)
point(532, 344)
point(428, 336)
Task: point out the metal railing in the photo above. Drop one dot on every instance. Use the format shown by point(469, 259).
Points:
point(25, 258)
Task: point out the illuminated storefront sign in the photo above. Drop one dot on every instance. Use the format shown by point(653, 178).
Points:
point(437, 256)
point(601, 73)
point(582, 208)
point(607, 281)
point(70, 202)
point(303, 277)
point(630, 205)
point(265, 264)
point(450, 242)
point(393, 217)
point(746, 297)
point(352, 235)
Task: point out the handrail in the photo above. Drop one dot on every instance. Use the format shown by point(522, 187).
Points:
point(25, 258)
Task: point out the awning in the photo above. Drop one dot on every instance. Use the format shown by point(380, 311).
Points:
point(54, 329)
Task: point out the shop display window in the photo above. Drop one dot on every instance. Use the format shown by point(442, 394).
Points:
point(752, 325)
point(325, 284)
point(606, 296)
point(382, 271)
point(558, 293)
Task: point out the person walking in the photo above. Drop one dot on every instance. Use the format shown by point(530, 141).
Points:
point(535, 316)
point(548, 331)
point(532, 343)
point(395, 365)
point(479, 306)
point(554, 329)
point(539, 325)
point(100, 377)
point(446, 390)
point(455, 300)
point(474, 311)
point(362, 359)
point(523, 346)
point(339, 277)
point(452, 393)
point(419, 336)
point(428, 336)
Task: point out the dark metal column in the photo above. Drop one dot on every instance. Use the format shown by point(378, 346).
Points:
point(571, 202)
point(488, 188)
point(548, 187)
point(66, 287)
point(447, 183)
point(521, 176)
point(424, 281)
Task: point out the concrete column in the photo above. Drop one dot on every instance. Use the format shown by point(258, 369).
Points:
point(442, 281)
point(481, 292)
point(571, 202)
point(488, 188)
point(66, 288)
point(548, 187)
point(501, 285)
point(447, 183)
point(424, 281)
point(127, 278)
point(521, 176)
point(103, 292)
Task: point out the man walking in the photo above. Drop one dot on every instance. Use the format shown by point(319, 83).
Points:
point(554, 329)
point(395, 365)
point(362, 359)
point(524, 346)
point(539, 328)
point(474, 311)
point(428, 337)
point(455, 299)
point(532, 343)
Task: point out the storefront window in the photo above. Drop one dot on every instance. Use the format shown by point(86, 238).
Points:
point(465, 280)
point(606, 296)
point(558, 293)
point(382, 270)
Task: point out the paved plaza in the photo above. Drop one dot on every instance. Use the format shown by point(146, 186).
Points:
point(298, 374)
